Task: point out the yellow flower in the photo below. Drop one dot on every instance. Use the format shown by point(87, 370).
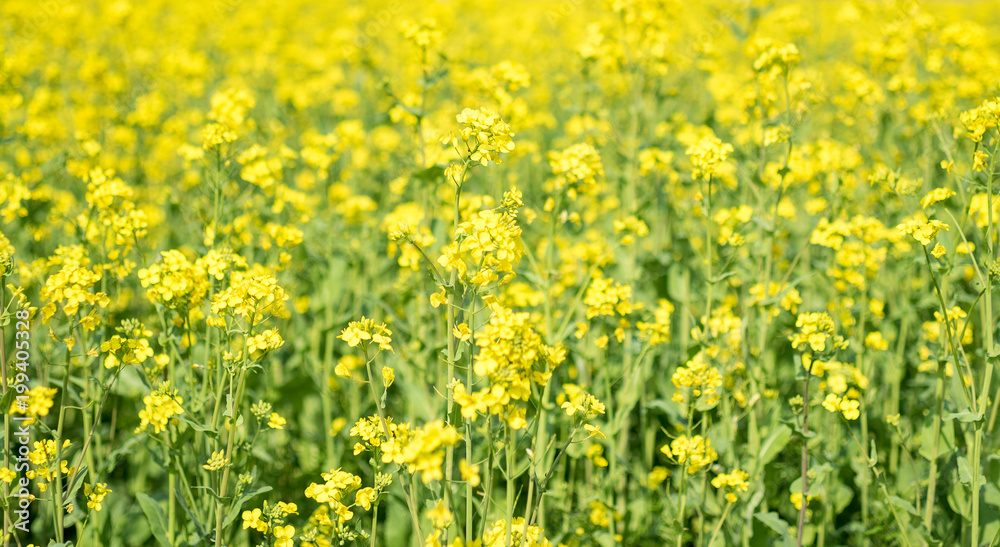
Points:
point(251, 519)
point(696, 451)
point(440, 516)
point(276, 421)
point(7, 476)
point(161, 407)
point(360, 332)
point(922, 231)
point(796, 500)
point(469, 472)
point(283, 536)
point(424, 453)
point(735, 480)
point(95, 496)
point(216, 462)
point(388, 375)
point(40, 401)
point(462, 332)
point(936, 195)
point(365, 497)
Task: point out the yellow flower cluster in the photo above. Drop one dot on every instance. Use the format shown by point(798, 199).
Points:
point(404, 223)
point(847, 406)
point(175, 283)
point(790, 298)
point(658, 331)
point(729, 221)
point(577, 170)
point(424, 34)
point(338, 483)
point(859, 245)
point(70, 287)
point(252, 298)
point(522, 535)
point(696, 452)
point(490, 242)
point(484, 135)
point(581, 404)
point(424, 453)
point(509, 348)
point(816, 330)
point(119, 223)
point(161, 407)
point(775, 57)
point(979, 210)
point(365, 332)
point(697, 382)
point(736, 480)
point(605, 297)
point(40, 400)
point(265, 341)
point(129, 347)
point(936, 195)
point(252, 519)
point(707, 154)
point(982, 118)
point(922, 230)
point(633, 227)
point(96, 494)
point(44, 457)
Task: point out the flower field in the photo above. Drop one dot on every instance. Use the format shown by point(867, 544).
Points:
point(499, 273)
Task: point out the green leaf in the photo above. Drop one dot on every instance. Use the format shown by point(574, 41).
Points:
point(965, 416)
point(198, 427)
point(903, 504)
point(774, 522)
point(76, 484)
point(431, 174)
point(155, 516)
point(964, 470)
point(8, 399)
point(774, 444)
point(946, 442)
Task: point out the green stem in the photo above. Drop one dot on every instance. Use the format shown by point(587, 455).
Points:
point(804, 502)
point(452, 307)
point(988, 377)
point(509, 449)
point(932, 473)
point(718, 525)
point(229, 454)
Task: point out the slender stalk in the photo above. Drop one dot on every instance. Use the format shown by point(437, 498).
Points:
point(718, 525)
point(932, 472)
point(452, 307)
point(976, 462)
point(171, 487)
point(229, 454)
point(683, 507)
point(804, 502)
point(374, 525)
point(509, 449)
point(57, 494)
